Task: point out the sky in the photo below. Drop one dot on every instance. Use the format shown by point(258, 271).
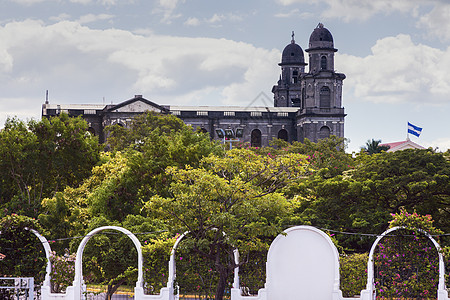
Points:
point(395, 54)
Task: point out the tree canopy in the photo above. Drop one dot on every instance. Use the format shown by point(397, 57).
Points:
point(38, 159)
point(228, 202)
point(374, 146)
point(161, 178)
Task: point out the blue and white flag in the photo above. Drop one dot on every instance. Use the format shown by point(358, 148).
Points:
point(414, 129)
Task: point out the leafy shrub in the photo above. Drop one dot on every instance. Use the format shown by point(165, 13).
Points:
point(406, 261)
point(353, 271)
point(63, 271)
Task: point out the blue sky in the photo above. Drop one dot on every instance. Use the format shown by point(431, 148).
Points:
point(395, 54)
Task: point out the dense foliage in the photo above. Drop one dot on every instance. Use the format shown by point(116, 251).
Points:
point(24, 252)
point(229, 202)
point(406, 261)
point(161, 179)
point(38, 159)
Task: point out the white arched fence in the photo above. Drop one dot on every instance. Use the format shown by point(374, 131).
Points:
point(302, 262)
point(48, 253)
point(172, 265)
point(370, 292)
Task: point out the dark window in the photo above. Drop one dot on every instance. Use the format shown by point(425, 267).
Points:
point(256, 138)
point(295, 102)
point(324, 132)
point(323, 63)
point(91, 130)
point(303, 98)
point(325, 97)
point(283, 135)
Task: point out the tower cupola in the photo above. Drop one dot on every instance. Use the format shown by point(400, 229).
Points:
point(321, 50)
point(321, 38)
point(292, 54)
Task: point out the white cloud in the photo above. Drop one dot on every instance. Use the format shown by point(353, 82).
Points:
point(436, 22)
point(60, 17)
point(398, 71)
point(73, 60)
point(443, 144)
point(166, 8)
point(6, 61)
point(192, 22)
point(82, 1)
point(295, 13)
point(29, 2)
point(168, 4)
point(89, 18)
point(213, 20)
point(349, 10)
point(216, 18)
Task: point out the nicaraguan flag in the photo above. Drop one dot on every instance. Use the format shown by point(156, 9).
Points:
point(414, 129)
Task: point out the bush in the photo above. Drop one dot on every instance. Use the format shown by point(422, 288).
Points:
point(353, 271)
point(63, 271)
point(25, 255)
point(406, 261)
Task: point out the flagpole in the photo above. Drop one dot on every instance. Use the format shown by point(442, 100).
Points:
point(407, 132)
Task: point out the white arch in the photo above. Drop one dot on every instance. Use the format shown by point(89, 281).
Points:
point(172, 265)
point(370, 291)
point(78, 283)
point(48, 252)
point(293, 247)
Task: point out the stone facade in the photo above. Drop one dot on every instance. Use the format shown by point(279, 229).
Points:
point(318, 93)
point(306, 104)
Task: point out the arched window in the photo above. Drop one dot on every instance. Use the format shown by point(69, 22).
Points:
point(256, 138)
point(283, 135)
point(323, 63)
point(324, 132)
point(325, 97)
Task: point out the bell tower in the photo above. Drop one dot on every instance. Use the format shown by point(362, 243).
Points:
point(287, 92)
point(321, 113)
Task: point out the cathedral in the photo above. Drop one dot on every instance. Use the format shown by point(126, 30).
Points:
point(307, 104)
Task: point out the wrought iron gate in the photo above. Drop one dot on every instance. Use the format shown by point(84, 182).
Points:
point(17, 288)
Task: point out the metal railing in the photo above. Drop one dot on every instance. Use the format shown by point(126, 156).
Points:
point(17, 288)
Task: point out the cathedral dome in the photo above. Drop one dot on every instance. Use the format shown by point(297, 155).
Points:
point(321, 38)
point(292, 54)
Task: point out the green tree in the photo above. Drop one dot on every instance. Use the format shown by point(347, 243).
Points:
point(362, 199)
point(38, 159)
point(25, 255)
point(231, 201)
point(353, 271)
point(414, 179)
point(159, 151)
point(120, 138)
point(327, 156)
point(156, 252)
point(123, 180)
point(68, 213)
point(374, 146)
point(109, 257)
